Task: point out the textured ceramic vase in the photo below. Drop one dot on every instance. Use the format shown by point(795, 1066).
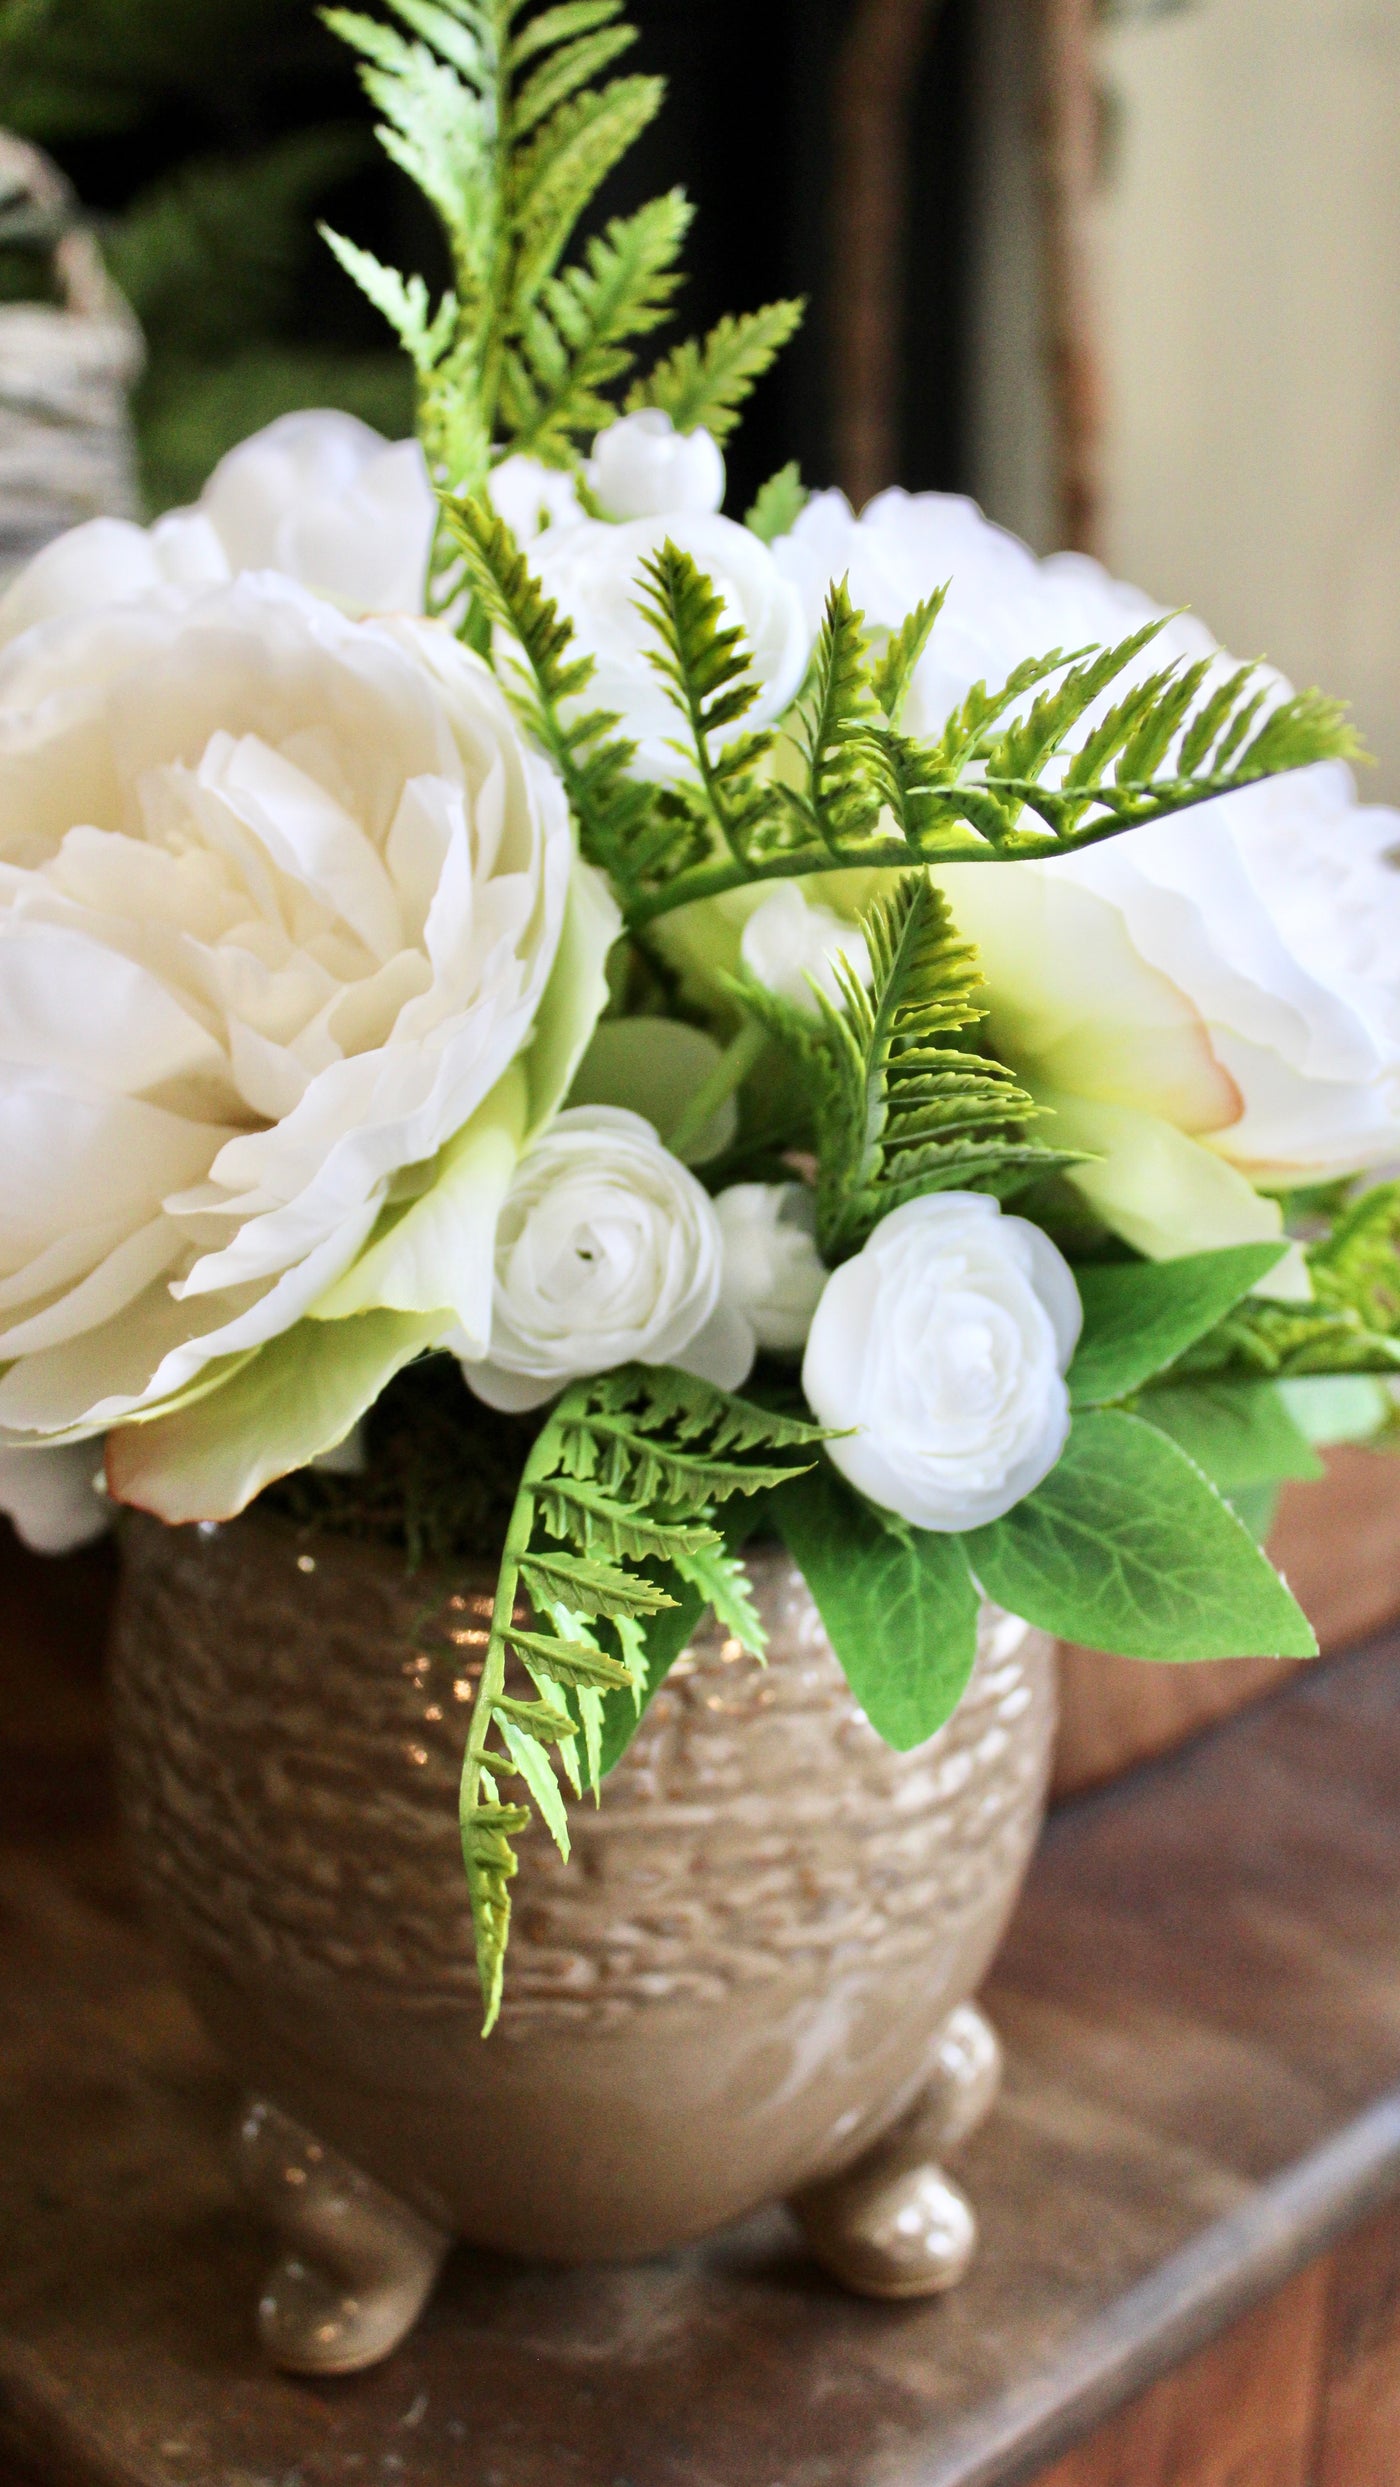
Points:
point(751, 1981)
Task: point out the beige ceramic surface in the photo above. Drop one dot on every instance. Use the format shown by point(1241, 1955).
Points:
point(744, 1977)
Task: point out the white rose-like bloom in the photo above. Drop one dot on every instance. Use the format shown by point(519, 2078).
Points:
point(790, 944)
point(280, 897)
point(773, 1272)
point(608, 1252)
point(53, 1497)
point(532, 497)
point(1208, 1004)
point(642, 467)
point(945, 1341)
point(317, 495)
point(594, 570)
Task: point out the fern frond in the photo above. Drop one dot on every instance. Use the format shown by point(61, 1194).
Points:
point(706, 383)
point(577, 338)
point(1356, 1268)
point(569, 157)
point(402, 301)
point(568, 67)
point(1352, 1324)
point(705, 662)
point(847, 781)
point(895, 671)
point(634, 1428)
point(900, 1109)
point(779, 504)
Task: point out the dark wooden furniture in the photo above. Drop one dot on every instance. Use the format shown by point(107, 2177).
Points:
point(1201, 1999)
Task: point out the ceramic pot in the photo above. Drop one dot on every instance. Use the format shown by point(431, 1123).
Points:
point(752, 1980)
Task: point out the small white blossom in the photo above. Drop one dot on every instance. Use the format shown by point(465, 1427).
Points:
point(642, 467)
point(54, 1497)
point(945, 1342)
point(773, 1272)
point(608, 1252)
point(532, 498)
point(790, 943)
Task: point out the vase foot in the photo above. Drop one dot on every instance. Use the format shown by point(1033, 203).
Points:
point(894, 2225)
point(360, 2265)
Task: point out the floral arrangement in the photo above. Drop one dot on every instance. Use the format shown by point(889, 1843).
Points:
point(823, 1025)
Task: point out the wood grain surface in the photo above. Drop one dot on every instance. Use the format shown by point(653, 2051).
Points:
point(1201, 1999)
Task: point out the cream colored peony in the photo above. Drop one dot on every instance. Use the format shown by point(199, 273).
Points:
point(284, 901)
point(1209, 1004)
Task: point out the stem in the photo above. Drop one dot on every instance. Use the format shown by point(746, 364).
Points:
point(729, 1073)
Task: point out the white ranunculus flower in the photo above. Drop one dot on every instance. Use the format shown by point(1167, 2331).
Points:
point(317, 495)
point(532, 497)
point(773, 1272)
point(1208, 1004)
point(594, 570)
point(945, 1342)
point(642, 467)
point(283, 897)
point(54, 1497)
point(790, 944)
point(608, 1252)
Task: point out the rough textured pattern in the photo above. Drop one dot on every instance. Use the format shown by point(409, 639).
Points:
point(292, 1757)
point(759, 1937)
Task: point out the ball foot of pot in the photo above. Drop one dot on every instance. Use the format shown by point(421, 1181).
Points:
point(895, 2225)
point(360, 2265)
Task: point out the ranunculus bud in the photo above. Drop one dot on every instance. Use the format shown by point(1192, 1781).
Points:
point(642, 467)
point(532, 497)
point(790, 944)
point(608, 1252)
point(945, 1342)
point(54, 1496)
point(773, 1272)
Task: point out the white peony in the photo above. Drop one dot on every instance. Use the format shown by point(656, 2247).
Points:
point(594, 571)
point(642, 467)
point(317, 495)
point(945, 1342)
point(790, 943)
point(54, 1497)
point(1208, 1004)
point(773, 1272)
point(283, 899)
point(608, 1252)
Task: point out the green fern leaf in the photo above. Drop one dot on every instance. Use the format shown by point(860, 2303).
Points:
point(707, 383)
point(705, 663)
point(723, 1582)
point(669, 1417)
point(847, 780)
point(569, 158)
point(577, 338)
point(779, 505)
point(568, 68)
point(895, 671)
point(560, 25)
point(403, 301)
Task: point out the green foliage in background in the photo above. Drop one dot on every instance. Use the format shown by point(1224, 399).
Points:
point(249, 105)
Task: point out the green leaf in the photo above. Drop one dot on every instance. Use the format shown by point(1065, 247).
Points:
point(779, 505)
point(895, 670)
point(899, 1605)
point(666, 1636)
point(901, 1110)
point(1127, 1547)
point(1240, 1433)
point(1139, 1316)
point(707, 383)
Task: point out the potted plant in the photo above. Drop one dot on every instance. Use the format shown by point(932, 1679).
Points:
point(596, 1092)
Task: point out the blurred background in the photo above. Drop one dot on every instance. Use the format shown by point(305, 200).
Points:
point(1123, 271)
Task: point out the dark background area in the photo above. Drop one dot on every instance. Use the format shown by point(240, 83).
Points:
point(208, 135)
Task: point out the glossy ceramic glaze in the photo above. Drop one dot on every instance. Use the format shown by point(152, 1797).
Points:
point(734, 1988)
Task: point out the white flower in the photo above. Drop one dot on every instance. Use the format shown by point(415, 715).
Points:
point(54, 1497)
point(773, 1272)
point(945, 1342)
point(280, 898)
point(594, 570)
point(642, 467)
point(791, 944)
point(327, 501)
point(1209, 1004)
point(608, 1252)
point(317, 495)
point(532, 497)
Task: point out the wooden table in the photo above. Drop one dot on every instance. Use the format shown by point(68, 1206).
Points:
point(1201, 1999)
